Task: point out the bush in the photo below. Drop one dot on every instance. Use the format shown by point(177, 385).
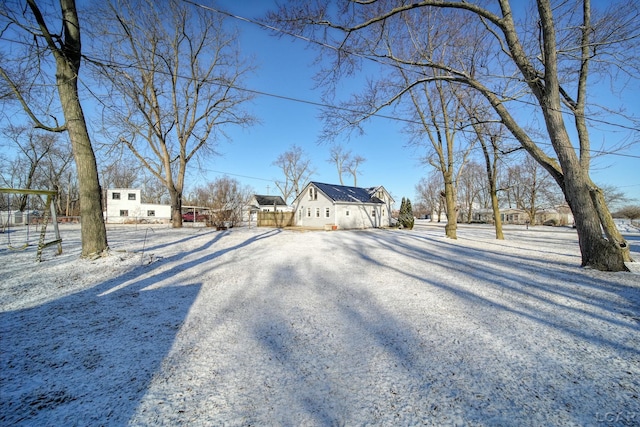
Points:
point(630, 212)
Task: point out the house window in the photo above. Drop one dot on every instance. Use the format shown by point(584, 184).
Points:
point(299, 213)
point(346, 213)
point(317, 212)
point(326, 213)
point(309, 212)
point(124, 213)
point(132, 196)
point(312, 195)
point(151, 213)
point(382, 211)
point(115, 196)
point(373, 213)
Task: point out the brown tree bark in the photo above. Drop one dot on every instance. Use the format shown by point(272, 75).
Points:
point(68, 59)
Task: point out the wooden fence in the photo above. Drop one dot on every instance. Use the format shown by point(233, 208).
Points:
point(275, 219)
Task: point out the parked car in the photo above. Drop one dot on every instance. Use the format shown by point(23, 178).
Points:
point(188, 217)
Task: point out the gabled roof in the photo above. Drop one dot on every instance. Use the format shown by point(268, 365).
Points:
point(342, 193)
point(269, 200)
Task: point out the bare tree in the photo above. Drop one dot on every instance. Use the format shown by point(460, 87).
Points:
point(489, 135)
point(174, 73)
point(43, 158)
point(352, 167)
point(471, 185)
point(549, 55)
point(437, 115)
point(531, 188)
point(296, 168)
point(339, 157)
point(345, 162)
point(33, 147)
point(153, 190)
point(429, 191)
point(60, 175)
point(69, 197)
point(614, 196)
point(121, 173)
point(630, 212)
point(228, 200)
point(32, 42)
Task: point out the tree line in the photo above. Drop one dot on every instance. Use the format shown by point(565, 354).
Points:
point(459, 74)
point(461, 70)
point(521, 184)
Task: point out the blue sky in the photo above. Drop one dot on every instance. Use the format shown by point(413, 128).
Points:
point(285, 68)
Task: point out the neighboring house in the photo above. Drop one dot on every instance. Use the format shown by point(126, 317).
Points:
point(514, 216)
point(560, 215)
point(268, 203)
point(323, 205)
point(123, 205)
point(261, 203)
point(484, 216)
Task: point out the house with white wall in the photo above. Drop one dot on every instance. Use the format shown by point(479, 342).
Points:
point(322, 205)
point(124, 205)
point(264, 203)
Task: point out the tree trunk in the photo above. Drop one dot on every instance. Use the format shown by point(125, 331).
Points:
point(94, 235)
point(597, 252)
point(93, 230)
point(176, 207)
point(452, 214)
point(495, 206)
point(590, 212)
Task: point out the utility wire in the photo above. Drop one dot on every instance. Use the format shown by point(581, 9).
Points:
point(362, 56)
point(334, 107)
point(329, 106)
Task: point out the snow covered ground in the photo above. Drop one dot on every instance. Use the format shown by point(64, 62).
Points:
point(277, 327)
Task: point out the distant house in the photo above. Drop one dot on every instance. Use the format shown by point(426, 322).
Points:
point(559, 215)
point(124, 205)
point(262, 203)
point(268, 203)
point(328, 205)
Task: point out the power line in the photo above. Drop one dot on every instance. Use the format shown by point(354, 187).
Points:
point(329, 106)
point(238, 175)
point(369, 58)
point(346, 109)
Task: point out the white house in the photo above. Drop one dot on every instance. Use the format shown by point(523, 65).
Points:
point(322, 205)
point(124, 205)
point(262, 203)
point(268, 203)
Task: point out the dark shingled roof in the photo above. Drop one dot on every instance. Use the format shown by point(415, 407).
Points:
point(341, 193)
point(270, 200)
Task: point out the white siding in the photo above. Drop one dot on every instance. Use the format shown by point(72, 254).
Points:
point(135, 210)
point(319, 204)
point(360, 215)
